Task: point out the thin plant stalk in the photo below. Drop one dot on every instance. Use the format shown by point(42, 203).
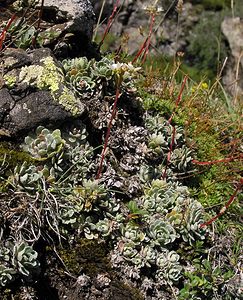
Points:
point(108, 131)
point(109, 24)
point(165, 15)
point(232, 8)
point(3, 33)
point(213, 162)
point(224, 208)
point(99, 18)
point(178, 100)
point(236, 85)
point(145, 46)
point(149, 38)
point(140, 51)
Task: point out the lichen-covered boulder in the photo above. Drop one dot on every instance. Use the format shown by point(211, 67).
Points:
point(79, 14)
point(33, 92)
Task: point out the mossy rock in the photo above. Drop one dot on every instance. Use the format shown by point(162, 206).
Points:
point(88, 256)
point(91, 257)
point(122, 291)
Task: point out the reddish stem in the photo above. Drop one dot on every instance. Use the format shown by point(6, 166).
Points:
point(140, 51)
point(170, 151)
point(3, 33)
point(223, 209)
point(109, 24)
point(146, 43)
point(108, 132)
point(212, 162)
point(149, 38)
point(178, 100)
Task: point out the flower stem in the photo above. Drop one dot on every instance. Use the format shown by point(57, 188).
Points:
point(213, 162)
point(224, 208)
point(178, 100)
point(109, 24)
point(3, 33)
point(145, 46)
point(108, 130)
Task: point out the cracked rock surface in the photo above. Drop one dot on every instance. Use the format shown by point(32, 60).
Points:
point(25, 102)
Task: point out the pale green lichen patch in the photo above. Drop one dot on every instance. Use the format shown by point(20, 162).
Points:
point(69, 101)
point(49, 77)
point(9, 62)
point(43, 77)
point(10, 80)
point(30, 74)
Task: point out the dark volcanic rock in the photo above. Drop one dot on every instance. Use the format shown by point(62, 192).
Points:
point(78, 13)
point(36, 108)
point(34, 92)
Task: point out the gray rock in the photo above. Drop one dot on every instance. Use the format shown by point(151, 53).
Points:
point(79, 13)
point(34, 92)
point(133, 23)
point(232, 28)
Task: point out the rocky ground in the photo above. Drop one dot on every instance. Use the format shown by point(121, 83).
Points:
point(80, 221)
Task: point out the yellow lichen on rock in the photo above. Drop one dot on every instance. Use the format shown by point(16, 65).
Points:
point(49, 76)
point(10, 80)
point(30, 74)
point(69, 101)
point(43, 77)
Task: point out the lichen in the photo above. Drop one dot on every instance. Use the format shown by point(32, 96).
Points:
point(9, 61)
point(30, 74)
point(69, 101)
point(49, 77)
point(10, 80)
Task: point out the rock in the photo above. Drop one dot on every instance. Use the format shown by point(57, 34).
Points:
point(232, 28)
point(34, 92)
point(6, 2)
point(79, 13)
point(133, 23)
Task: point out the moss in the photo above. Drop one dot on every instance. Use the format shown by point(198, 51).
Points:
point(91, 257)
point(49, 77)
point(88, 256)
point(123, 291)
point(9, 159)
point(12, 156)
